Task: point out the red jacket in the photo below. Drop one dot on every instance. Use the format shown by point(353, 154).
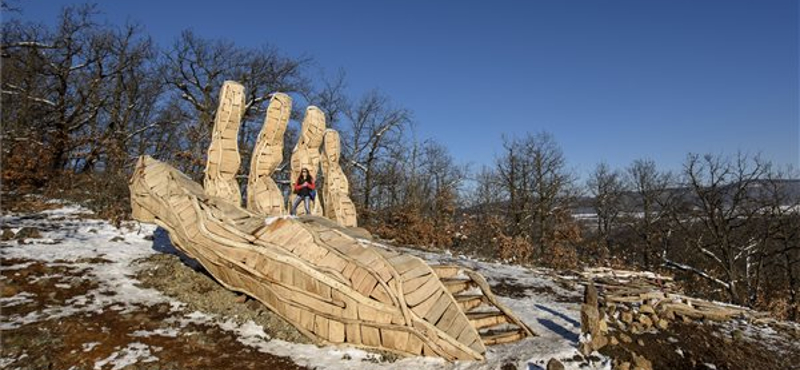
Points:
point(304, 191)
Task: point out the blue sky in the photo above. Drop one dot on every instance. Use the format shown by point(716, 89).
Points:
point(611, 80)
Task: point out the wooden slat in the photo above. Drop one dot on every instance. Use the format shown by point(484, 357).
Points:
point(481, 320)
point(414, 284)
point(287, 274)
point(426, 290)
point(456, 285)
point(469, 301)
point(370, 336)
point(394, 339)
point(307, 320)
point(380, 294)
point(438, 309)
point(499, 337)
point(446, 271)
point(467, 334)
point(353, 333)
point(367, 285)
point(426, 305)
point(383, 270)
point(334, 262)
point(322, 327)
point(447, 320)
point(358, 277)
point(349, 270)
point(414, 345)
point(404, 262)
point(336, 332)
point(420, 270)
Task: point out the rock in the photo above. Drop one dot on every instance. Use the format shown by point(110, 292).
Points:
point(613, 341)
point(645, 321)
point(590, 319)
point(117, 239)
point(640, 342)
point(623, 366)
point(598, 342)
point(646, 308)
point(590, 295)
point(655, 318)
point(642, 363)
point(625, 338)
point(662, 324)
point(241, 299)
point(727, 340)
point(585, 348)
point(255, 305)
point(7, 234)
point(28, 232)
point(669, 315)
point(603, 326)
point(554, 364)
point(627, 317)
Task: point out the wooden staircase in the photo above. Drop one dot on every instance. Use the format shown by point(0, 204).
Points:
point(495, 323)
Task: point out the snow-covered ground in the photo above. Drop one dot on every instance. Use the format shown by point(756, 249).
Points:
point(69, 239)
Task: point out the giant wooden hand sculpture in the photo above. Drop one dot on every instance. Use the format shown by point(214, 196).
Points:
point(322, 277)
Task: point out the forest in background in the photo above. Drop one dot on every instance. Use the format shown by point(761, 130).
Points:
point(82, 99)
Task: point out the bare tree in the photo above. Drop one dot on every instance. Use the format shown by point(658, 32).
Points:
point(781, 192)
point(57, 73)
point(534, 177)
point(607, 188)
point(375, 127)
point(77, 95)
point(719, 228)
point(133, 91)
point(331, 98)
point(646, 214)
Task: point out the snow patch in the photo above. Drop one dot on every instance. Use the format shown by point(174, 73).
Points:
point(90, 346)
point(133, 353)
point(16, 300)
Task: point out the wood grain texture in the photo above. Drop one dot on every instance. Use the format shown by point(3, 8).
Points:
point(223, 153)
point(263, 195)
point(338, 205)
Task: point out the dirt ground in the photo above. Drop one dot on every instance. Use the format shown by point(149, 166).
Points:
point(696, 346)
point(166, 273)
point(82, 340)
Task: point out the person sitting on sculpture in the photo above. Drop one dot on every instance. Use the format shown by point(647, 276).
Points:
point(304, 188)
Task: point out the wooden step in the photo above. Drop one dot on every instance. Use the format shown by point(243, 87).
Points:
point(446, 271)
point(499, 337)
point(480, 320)
point(469, 301)
point(456, 285)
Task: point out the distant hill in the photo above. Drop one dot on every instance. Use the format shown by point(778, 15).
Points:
point(788, 192)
